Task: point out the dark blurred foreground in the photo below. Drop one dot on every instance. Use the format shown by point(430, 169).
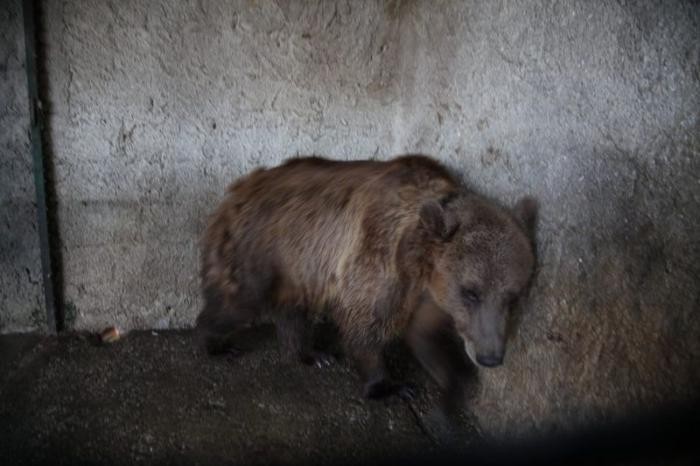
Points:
point(662, 436)
point(153, 398)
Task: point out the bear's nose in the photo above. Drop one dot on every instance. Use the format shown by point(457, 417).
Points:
point(491, 360)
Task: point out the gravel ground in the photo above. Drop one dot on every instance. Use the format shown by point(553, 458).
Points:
point(154, 397)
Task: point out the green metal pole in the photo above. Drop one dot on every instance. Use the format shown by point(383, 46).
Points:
point(35, 125)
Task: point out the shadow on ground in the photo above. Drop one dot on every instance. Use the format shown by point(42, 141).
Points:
point(154, 397)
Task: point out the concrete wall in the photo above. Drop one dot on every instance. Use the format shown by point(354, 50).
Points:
point(21, 295)
point(158, 105)
point(590, 106)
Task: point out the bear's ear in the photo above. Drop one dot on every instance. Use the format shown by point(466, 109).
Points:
point(437, 218)
point(526, 213)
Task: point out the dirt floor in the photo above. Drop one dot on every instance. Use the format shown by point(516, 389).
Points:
point(154, 397)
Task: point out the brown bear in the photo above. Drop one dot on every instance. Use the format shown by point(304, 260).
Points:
point(386, 249)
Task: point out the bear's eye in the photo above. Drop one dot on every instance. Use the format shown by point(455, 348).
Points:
point(470, 296)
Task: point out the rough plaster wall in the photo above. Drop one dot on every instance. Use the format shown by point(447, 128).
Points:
point(21, 298)
point(593, 108)
point(156, 106)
